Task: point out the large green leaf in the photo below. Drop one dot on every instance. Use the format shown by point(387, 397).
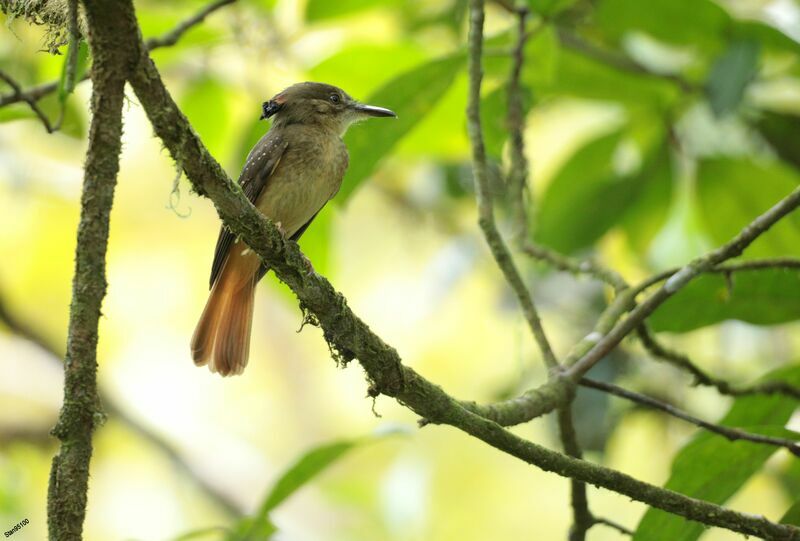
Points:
point(734, 191)
point(313, 462)
point(763, 297)
point(589, 195)
point(712, 468)
point(792, 515)
point(205, 103)
point(362, 68)
point(730, 75)
point(691, 22)
point(411, 95)
point(782, 132)
point(579, 75)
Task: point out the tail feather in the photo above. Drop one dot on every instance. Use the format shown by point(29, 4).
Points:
point(232, 343)
point(222, 336)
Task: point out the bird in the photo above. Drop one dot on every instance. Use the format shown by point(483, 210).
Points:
point(289, 175)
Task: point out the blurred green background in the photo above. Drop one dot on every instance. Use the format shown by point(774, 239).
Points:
point(655, 130)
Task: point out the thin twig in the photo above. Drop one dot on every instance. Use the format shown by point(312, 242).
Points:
point(484, 198)
point(680, 360)
point(19, 95)
point(732, 434)
point(515, 120)
point(613, 525)
point(35, 93)
point(678, 280)
point(172, 37)
point(575, 266)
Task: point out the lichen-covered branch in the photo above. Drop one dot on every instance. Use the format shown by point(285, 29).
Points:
point(81, 411)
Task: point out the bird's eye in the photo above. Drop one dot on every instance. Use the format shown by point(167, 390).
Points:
point(334, 98)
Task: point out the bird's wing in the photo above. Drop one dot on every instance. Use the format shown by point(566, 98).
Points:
point(260, 164)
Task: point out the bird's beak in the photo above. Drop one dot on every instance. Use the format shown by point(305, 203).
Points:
point(372, 110)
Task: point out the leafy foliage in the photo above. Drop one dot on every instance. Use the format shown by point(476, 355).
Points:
point(713, 469)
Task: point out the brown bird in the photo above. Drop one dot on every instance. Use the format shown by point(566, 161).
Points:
point(289, 175)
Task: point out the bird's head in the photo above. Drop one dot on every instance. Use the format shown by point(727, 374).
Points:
point(319, 104)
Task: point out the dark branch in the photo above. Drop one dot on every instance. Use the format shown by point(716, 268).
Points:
point(172, 37)
point(515, 120)
point(19, 95)
point(683, 362)
point(582, 519)
point(732, 434)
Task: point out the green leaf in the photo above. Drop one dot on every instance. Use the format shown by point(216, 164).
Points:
point(712, 468)
point(16, 111)
point(319, 10)
point(733, 191)
point(584, 77)
point(362, 68)
point(792, 515)
point(698, 23)
point(65, 88)
point(589, 195)
point(306, 468)
point(763, 297)
point(205, 103)
point(730, 75)
point(541, 58)
point(412, 96)
point(782, 132)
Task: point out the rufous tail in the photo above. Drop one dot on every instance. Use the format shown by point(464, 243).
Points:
point(222, 336)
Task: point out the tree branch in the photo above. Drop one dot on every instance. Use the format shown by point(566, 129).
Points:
point(80, 414)
point(678, 280)
point(349, 337)
point(732, 434)
point(484, 197)
point(19, 95)
point(582, 519)
point(683, 362)
point(173, 36)
point(515, 120)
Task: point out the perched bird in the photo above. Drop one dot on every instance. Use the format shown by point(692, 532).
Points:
point(289, 175)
